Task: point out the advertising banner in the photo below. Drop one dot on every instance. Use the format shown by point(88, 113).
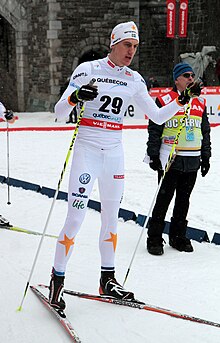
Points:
point(183, 18)
point(171, 18)
point(211, 94)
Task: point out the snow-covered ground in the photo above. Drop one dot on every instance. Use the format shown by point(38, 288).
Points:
point(188, 283)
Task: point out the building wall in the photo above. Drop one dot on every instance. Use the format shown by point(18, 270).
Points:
point(8, 79)
point(49, 38)
point(157, 51)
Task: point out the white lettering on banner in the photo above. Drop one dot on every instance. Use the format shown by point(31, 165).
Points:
point(171, 24)
point(171, 13)
point(183, 14)
point(189, 122)
point(193, 122)
point(197, 108)
point(211, 94)
point(171, 123)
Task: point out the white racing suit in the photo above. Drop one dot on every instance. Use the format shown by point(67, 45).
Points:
point(98, 151)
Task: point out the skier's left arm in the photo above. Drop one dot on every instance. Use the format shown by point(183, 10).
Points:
point(161, 115)
point(206, 144)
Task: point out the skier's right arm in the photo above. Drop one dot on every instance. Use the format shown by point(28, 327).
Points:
point(78, 89)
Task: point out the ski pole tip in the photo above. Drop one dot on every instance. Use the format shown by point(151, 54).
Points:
point(19, 309)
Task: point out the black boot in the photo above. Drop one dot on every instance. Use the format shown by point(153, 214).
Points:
point(181, 244)
point(55, 294)
point(155, 240)
point(177, 236)
point(155, 245)
point(109, 286)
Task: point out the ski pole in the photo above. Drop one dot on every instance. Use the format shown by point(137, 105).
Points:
point(171, 158)
point(54, 199)
point(8, 178)
point(53, 203)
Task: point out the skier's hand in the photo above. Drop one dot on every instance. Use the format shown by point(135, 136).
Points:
point(155, 163)
point(9, 116)
point(205, 166)
point(85, 93)
point(192, 90)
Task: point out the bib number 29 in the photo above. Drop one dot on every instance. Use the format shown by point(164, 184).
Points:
point(114, 105)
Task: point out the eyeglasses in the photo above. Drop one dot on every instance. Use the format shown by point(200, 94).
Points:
point(187, 75)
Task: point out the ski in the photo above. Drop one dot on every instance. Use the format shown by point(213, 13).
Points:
point(30, 232)
point(141, 306)
point(60, 315)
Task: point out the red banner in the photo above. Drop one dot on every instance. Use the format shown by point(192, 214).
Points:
point(183, 18)
point(171, 18)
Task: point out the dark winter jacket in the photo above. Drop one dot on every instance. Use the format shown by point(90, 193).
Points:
point(181, 163)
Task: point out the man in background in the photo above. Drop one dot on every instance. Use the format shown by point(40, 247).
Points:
point(193, 151)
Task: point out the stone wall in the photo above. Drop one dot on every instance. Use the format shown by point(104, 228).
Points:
point(8, 79)
point(85, 29)
point(49, 38)
point(157, 51)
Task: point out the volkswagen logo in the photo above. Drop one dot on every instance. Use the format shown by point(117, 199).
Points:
point(84, 178)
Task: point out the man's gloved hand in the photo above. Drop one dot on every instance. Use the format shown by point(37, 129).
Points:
point(193, 90)
point(9, 115)
point(155, 163)
point(205, 165)
point(85, 93)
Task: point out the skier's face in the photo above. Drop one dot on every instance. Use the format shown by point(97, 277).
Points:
point(184, 80)
point(123, 52)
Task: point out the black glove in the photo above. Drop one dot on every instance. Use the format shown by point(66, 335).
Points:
point(9, 115)
point(205, 165)
point(155, 163)
point(193, 90)
point(85, 93)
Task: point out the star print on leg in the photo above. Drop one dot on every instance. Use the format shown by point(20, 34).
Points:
point(113, 239)
point(67, 242)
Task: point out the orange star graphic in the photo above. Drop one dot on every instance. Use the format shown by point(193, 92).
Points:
point(113, 36)
point(113, 239)
point(133, 28)
point(67, 242)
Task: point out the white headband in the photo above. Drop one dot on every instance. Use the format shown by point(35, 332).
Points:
point(124, 31)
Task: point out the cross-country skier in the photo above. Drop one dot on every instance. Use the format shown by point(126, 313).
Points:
point(98, 151)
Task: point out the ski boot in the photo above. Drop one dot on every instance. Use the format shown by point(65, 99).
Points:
point(110, 287)
point(56, 292)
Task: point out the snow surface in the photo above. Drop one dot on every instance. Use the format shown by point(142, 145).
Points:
point(184, 282)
